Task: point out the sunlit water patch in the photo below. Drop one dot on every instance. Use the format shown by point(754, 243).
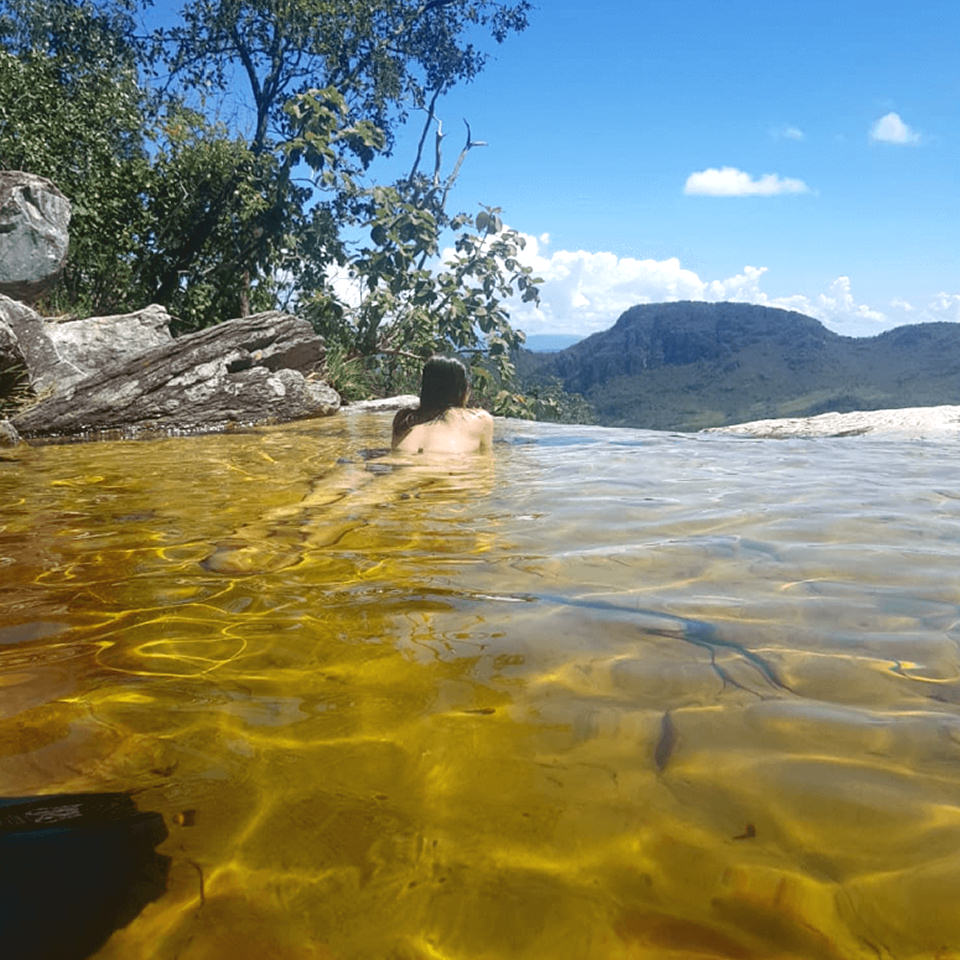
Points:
point(614, 694)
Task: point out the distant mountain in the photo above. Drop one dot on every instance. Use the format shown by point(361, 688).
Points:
point(550, 342)
point(689, 365)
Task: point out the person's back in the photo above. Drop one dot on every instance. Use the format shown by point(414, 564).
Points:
point(442, 423)
point(458, 430)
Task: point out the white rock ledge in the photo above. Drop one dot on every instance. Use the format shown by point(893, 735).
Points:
point(402, 401)
point(910, 423)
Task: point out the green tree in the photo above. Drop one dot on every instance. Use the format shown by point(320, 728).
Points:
point(214, 219)
point(546, 398)
point(204, 254)
point(403, 301)
point(71, 109)
point(370, 61)
point(385, 57)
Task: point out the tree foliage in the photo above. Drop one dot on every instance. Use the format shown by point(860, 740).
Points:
point(400, 298)
point(71, 109)
point(221, 164)
point(327, 83)
point(210, 253)
point(385, 57)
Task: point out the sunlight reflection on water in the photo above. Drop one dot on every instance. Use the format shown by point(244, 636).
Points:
point(614, 694)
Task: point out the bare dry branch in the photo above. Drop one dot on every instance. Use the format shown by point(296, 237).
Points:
point(431, 115)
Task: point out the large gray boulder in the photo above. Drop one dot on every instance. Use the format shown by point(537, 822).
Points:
point(34, 222)
point(59, 353)
point(245, 371)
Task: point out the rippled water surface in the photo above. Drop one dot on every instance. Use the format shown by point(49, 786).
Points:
point(614, 694)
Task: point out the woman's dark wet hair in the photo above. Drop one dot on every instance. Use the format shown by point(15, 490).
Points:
point(444, 384)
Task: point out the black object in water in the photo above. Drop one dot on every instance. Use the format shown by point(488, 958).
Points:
point(74, 868)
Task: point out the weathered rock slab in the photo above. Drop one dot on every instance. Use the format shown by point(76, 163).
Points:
point(250, 370)
point(60, 353)
point(909, 423)
point(34, 234)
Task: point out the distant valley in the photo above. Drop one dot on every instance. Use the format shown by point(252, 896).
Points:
point(689, 365)
point(551, 342)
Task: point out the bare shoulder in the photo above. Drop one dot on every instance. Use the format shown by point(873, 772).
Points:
point(476, 414)
point(480, 427)
point(476, 420)
point(459, 430)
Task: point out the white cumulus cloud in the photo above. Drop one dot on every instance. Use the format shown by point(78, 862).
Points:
point(731, 182)
point(898, 303)
point(787, 132)
point(944, 306)
point(891, 129)
point(837, 308)
point(586, 291)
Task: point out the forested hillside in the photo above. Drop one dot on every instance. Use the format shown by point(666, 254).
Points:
point(689, 365)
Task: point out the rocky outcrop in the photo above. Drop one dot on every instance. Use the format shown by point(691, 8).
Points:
point(59, 353)
point(34, 221)
point(126, 373)
point(250, 370)
point(909, 423)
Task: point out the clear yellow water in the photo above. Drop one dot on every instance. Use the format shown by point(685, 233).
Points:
point(614, 694)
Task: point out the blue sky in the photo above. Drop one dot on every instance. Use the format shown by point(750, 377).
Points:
point(798, 154)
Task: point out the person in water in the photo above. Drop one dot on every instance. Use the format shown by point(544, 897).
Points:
point(443, 423)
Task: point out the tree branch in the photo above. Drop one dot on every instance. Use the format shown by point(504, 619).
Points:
point(423, 135)
point(467, 147)
point(248, 65)
point(437, 156)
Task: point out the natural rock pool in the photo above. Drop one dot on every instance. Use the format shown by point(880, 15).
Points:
point(615, 694)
